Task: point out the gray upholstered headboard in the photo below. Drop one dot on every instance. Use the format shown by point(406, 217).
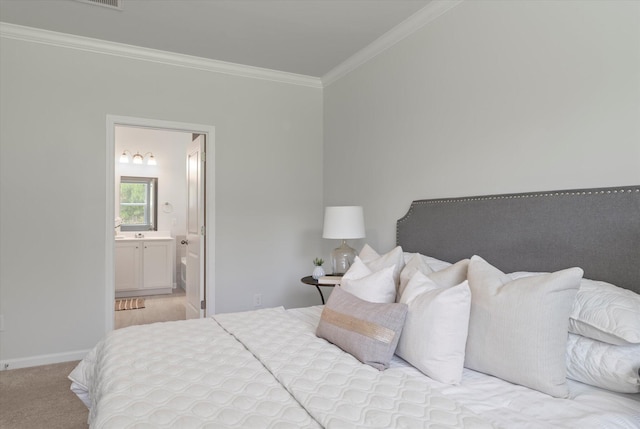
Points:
point(595, 229)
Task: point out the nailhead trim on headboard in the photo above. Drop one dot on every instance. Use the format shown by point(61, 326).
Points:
point(597, 231)
point(512, 196)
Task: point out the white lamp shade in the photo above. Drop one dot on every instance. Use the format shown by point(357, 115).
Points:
point(343, 222)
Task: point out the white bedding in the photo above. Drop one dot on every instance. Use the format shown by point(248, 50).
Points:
point(194, 374)
point(187, 374)
point(508, 405)
point(335, 388)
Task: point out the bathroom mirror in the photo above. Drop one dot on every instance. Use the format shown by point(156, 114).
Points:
point(139, 203)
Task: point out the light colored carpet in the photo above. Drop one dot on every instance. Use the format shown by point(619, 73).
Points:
point(39, 397)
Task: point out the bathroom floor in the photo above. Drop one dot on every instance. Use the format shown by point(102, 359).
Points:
point(158, 308)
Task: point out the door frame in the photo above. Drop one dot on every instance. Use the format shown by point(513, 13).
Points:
point(209, 245)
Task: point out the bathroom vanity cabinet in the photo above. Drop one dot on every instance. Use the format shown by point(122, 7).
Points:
point(143, 266)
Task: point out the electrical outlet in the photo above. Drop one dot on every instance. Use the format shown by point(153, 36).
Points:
point(257, 300)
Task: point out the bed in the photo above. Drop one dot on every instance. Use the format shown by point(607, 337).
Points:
point(435, 344)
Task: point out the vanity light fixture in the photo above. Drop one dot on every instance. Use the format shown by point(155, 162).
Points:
point(124, 158)
point(137, 158)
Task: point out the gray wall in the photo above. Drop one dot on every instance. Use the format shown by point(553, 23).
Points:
point(53, 158)
point(491, 97)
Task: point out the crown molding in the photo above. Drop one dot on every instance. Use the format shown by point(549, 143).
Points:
point(431, 11)
point(36, 35)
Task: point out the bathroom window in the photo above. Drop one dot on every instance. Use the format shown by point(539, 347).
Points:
point(138, 203)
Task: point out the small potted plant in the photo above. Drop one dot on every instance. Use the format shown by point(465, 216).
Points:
point(318, 271)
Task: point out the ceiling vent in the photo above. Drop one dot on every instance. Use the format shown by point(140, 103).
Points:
point(111, 4)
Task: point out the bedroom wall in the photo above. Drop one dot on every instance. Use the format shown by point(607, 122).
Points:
point(268, 186)
point(491, 97)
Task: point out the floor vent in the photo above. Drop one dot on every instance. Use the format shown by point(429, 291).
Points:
point(111, 4)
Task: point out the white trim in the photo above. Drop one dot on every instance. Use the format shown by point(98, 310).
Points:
point(109, 264)
point(36, 35)
point(210, 221)
point(433, 10)
point(27, 362)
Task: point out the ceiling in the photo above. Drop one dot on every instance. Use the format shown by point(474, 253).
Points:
point(308, 37)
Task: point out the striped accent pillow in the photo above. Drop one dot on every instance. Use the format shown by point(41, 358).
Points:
point(368, 331)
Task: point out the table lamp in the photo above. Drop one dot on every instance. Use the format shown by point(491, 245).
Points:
point(343, 223)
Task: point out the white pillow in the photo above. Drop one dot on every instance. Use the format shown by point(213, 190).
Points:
point(603, 312)
point(607, 313)
point(451, 275)
point(435, 264)
point(357, 270)
point(376, 262)
point(435, 331)
point(416, 264)
point(603, 365)
point(361, 281)
point(518, 328)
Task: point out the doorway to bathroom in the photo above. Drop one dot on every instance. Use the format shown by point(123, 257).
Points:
point(161, 222)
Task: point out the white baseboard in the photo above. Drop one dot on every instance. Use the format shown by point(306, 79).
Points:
point(42, 360)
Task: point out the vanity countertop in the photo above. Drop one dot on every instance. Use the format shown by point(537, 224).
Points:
point(145, 238)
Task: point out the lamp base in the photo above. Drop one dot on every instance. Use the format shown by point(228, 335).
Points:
point(341, 258)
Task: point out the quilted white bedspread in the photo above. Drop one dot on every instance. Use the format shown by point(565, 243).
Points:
point(187, 374)
point(267, 369)
point(335, 388)
point(272, 372)
point(509, 406)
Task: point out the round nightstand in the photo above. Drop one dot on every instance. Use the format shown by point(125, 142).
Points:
point(313, 282)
